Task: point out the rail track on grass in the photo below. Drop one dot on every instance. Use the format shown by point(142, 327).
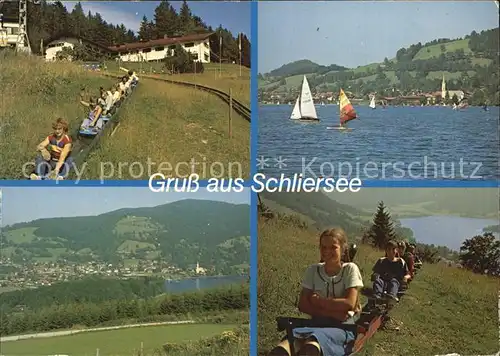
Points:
point(239, 107)
point(82, 145)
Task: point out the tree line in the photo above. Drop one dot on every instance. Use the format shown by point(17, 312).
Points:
point(92, 314)
point(170, 23)
point(91, 290)
point(48, 20)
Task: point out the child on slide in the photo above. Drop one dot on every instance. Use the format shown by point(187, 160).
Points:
point(330, 289)
point(94, 121)
point(389, 273)
point(54, 160)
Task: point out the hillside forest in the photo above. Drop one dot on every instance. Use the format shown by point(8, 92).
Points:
point(49, 20)
point(470, 64)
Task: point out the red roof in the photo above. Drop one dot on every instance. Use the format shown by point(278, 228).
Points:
point(161, 42)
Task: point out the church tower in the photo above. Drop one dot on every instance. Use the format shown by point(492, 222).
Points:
point(443, 88)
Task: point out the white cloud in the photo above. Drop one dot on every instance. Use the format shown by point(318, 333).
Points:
point(131, 21)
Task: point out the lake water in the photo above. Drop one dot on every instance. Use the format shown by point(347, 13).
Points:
point(449, 231)
point(199, 283)
point(390, 135)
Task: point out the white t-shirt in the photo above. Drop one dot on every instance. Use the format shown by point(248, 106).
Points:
point(109, 100)
point(116, 96)
point(316, 279)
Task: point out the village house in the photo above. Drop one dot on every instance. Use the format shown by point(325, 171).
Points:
point(56, 44)
point(9, 29)
point(154, 50)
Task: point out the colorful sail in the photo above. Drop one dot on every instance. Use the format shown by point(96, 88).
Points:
point(347, 112)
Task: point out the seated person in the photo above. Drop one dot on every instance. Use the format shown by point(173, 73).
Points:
point(106, 101)
point(401, 249)
point(54, 160)
point(125, 85)
point(389, 272)
point(330, 289)
point(117, 94)
point(410, 259)
point(94, 119)
point(133, 78)
point(418, 261)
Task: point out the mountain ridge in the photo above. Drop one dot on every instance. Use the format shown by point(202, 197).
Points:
point(213, 233)
point(469, 64)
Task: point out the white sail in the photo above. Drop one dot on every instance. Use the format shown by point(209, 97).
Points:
point(296, 110)
point(307, 108)
point(372, 103)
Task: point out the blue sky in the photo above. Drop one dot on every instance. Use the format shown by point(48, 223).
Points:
point(27, 204)
point(358, 33)
point(235, 16)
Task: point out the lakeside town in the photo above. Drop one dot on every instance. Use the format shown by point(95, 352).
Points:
point(443, 97)
point(32, 275)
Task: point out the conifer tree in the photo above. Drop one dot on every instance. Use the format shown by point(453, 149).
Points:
point(166, 20)
point(382, 229)
point(246, 52)
point(186, 23)
point(146, 30)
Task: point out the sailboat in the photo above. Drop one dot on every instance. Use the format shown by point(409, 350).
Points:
point(347, 113)
point(372, 102)
point(304, 109)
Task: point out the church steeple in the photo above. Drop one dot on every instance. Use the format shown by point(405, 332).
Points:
point(443, 88)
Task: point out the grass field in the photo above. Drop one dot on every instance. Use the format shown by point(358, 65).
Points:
point(435, 50)
point(34, 94)
point(162, 127)
point(223, 77)
point(21, 235)
point(445, 310)
point(120, 342)
point(137, 228)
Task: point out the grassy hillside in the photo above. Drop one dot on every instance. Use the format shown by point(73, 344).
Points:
point(224, 77)
point(220, 323)
point(404, 202)
point(218, 236)
point(162, 128)
point(171, 125)
point(445, 310)
point(319, 211)
point(434, 51)
point(34, 94)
